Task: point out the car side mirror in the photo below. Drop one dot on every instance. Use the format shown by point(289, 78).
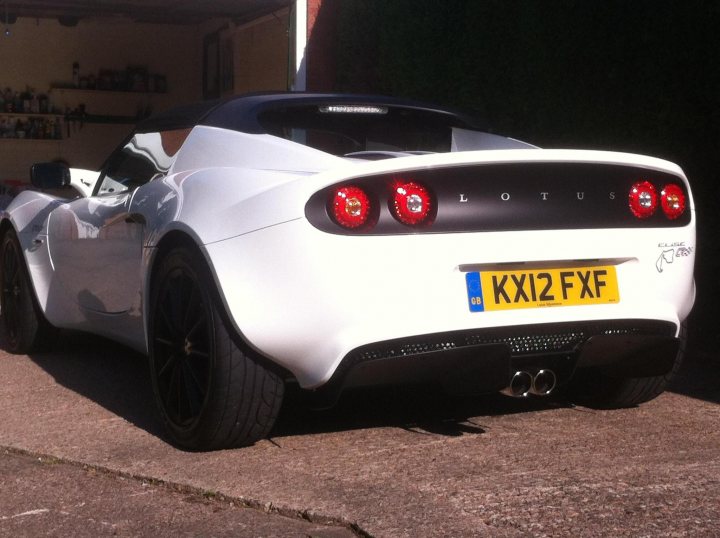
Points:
point(49, 175)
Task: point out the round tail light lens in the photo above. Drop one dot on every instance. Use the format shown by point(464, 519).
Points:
point(672, 201)
point(350, 207)
point(411, 203)
point(643, 199)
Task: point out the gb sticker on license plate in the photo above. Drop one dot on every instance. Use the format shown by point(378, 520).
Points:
point(474, 290)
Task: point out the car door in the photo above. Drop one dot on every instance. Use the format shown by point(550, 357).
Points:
point(96, 243)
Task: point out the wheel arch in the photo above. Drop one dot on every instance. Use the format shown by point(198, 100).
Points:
point(171, 240)
point(180, 238)
point(7, 224)
point(25, 325)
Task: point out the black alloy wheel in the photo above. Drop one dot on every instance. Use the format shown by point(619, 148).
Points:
point(26, 329)
point(11, 293)
point(182, 343)
point(210, 393)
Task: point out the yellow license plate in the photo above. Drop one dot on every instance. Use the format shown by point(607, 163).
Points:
point(539, 288)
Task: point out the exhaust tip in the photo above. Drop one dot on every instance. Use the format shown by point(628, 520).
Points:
point(520, 385)
point(544, 383)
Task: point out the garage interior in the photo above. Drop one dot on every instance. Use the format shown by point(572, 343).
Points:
point(80, 73)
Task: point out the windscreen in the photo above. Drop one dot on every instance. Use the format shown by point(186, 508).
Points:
point(351, 130)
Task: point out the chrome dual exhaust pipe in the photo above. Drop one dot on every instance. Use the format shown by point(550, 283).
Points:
point(544, 383)
point(520, 385)
point(524, 383)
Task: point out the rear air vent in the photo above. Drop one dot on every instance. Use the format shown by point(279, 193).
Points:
point(527, 340)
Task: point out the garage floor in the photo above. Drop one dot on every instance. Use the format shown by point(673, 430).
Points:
point(383, 463)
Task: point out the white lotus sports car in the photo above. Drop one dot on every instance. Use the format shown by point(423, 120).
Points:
point(338, 241)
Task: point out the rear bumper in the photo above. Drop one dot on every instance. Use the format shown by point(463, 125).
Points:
point(481, 361)
point(310, 301)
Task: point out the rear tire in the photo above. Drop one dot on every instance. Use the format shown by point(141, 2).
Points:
point(604, 392)
point(211, 394)
point(26, 328)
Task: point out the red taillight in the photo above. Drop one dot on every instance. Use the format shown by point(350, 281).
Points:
point(350, 207)
point(411, 203)
point(672, 201)
point(643, 199)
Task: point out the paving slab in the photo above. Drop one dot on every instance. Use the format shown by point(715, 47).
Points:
point(397, 462)
point(43, 496)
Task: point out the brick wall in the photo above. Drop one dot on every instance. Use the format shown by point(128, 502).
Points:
point(320, 51)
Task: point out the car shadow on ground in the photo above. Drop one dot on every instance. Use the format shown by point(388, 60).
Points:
point(422, 409)
point(699, 376)
point(106, 373)
point(118, 379)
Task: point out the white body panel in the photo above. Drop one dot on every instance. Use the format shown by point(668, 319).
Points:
point(302, 297)
point(335, 293)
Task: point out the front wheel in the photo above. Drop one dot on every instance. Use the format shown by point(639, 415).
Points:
point(26, 328)
point(210, 393)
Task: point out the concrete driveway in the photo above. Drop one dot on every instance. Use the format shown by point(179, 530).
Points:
point(384, 462)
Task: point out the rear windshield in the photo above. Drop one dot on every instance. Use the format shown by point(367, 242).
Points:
point(348, 129)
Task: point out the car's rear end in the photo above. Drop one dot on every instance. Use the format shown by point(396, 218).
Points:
point(487, 270)
point(362, 240)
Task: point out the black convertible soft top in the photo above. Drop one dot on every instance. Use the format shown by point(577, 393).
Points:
point(243, 113)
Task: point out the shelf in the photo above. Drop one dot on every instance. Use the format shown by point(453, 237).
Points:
point(29, 122)
point(30, 115)
point(105, 92)
point(104, 119)
point(106, 106)
point(23, 140)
